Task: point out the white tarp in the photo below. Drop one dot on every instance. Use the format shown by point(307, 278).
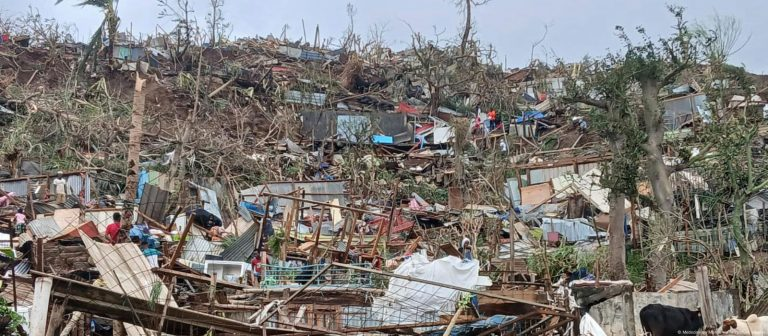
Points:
point(573, 229)
point(210, 201)
point(407, 302)
point(588, 185)
point(589, 327)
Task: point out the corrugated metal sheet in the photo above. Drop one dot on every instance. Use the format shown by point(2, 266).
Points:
point(44, 227)
point(585, 167)
point(18, 187)
point(243, 247)
point(298, 97)
point(76, 183)
point(546, 174)
point(153, 202)
point(319, 191)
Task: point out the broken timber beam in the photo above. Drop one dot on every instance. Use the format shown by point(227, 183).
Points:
point(180, 247)
point(103, 302)
point(434, 283)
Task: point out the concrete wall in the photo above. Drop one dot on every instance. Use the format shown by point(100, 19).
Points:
point(620, 315)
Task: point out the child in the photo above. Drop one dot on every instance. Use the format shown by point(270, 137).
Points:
point(21, 222)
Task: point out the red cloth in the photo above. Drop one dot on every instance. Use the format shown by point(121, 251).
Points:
point(403, 107)
point(256, 264)
point(112, 231)
point(492, 115)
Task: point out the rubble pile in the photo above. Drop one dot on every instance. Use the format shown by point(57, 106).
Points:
point(285, 188)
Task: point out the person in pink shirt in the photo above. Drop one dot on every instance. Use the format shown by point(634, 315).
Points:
point(21, 222)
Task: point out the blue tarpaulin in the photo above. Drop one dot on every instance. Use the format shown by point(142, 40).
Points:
point(529, 115)
point(143, 179)
point(477, 327)
point(383, 139)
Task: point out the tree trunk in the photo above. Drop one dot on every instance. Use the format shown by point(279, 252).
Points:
point(617, 256)
point(737, 222)
point(112, 22)
point(134, 140)
point(663, 225)
point(467, 26)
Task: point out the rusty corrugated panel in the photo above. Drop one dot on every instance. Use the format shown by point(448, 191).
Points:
point(153, 202)
point(18, 187)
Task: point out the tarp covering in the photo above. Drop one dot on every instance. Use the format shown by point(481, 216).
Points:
point(407, 302)
point(589, 327)
point(573, 229)
point(529, 115)
point(479, 326)
point(125, 269)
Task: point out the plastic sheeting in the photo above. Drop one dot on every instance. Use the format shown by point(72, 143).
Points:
point(143, 179)
point(407, 302)
point(573, 229)
point(589, 327)
point(210, 202)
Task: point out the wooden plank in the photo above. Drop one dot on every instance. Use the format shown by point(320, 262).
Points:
point(705, 299)
point(449, 249)
point(455, 198)
point(39, 315)
point(535, 194)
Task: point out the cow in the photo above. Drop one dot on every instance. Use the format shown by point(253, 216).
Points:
point(753, 325)
point(661, 320)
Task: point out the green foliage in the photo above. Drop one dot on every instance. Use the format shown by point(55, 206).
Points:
point(636, 266)
point(227, 242)
point(564, 258)
point(275, 242)
point(429, 192)
point(154, 294)
point(14, 320)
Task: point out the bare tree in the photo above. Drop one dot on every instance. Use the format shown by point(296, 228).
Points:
point(217, 27)
point(180, 12)
point(466, 7)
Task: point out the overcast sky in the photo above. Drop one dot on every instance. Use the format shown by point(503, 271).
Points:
point(575, 27)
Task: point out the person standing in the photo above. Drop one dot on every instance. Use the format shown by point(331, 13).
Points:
point(113, 230)
point(256, 268)
point(60, 185)
point(21, 221)
point(466, 249)
point(492, 118)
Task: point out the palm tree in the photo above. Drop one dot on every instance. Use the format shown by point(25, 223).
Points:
point(110, 20)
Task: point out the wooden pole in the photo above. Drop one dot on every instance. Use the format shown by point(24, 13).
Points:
point(38, 317)
point(263, 223)
point(705, 299)
point(134, 144)
point(13, 274)
point(316, 237)
point(391, 215)
point(165, 308)
point(212, 294)
point(177, 253)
